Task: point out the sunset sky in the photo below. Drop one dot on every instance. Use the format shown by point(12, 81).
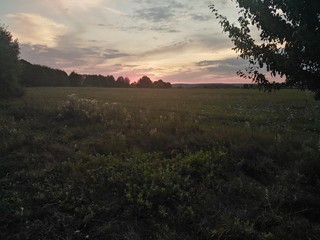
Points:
point(178, 41)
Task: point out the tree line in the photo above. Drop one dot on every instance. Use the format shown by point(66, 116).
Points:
point(33, 75)
point(16, 73)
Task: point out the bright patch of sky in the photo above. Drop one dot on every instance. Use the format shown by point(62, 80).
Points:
point(175, 40)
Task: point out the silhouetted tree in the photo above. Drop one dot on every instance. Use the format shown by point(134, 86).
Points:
point(28, 75)
point(9, 65)
point(111, 81)
point(134, 84)
point(34, 75)
point(99, 81)
point(127, 81)
point(144, 82)
point(289, 41)
point(123, 82)
point(161, 84)
point(75, 79)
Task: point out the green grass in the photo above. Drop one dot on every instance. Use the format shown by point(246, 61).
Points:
point(159, 164)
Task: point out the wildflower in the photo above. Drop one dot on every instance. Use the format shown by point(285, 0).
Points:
point(153, 131)
point(21, 210)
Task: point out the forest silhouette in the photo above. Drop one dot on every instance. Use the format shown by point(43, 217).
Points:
point(34, 75)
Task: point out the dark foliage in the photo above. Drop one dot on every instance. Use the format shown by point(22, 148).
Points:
point(34, 75)
point(161, 84)
point(9, 65)
point(85, 169)
point(123, 82)
point(75, 79)
point(288, 45)
point(144, 82)
point(99, 81)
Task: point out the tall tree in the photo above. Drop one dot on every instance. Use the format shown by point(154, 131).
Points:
point(144, 82)
point(123, 82)
point(75, 79)
point(9, 65)
point(288, 43)
point(161, 84)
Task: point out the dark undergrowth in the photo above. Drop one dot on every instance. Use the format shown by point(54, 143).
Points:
point(87, 170)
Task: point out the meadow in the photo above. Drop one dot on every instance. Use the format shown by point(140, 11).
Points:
point(106, 163)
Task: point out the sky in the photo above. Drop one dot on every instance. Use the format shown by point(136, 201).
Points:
point(178, 41)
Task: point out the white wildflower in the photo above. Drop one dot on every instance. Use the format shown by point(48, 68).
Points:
point(21, 210)
point(153, 131)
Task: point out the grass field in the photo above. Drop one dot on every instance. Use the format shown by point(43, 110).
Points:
point(93, 163)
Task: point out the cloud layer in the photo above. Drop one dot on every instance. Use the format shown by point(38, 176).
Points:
point(175, 40)
point(36, 29)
